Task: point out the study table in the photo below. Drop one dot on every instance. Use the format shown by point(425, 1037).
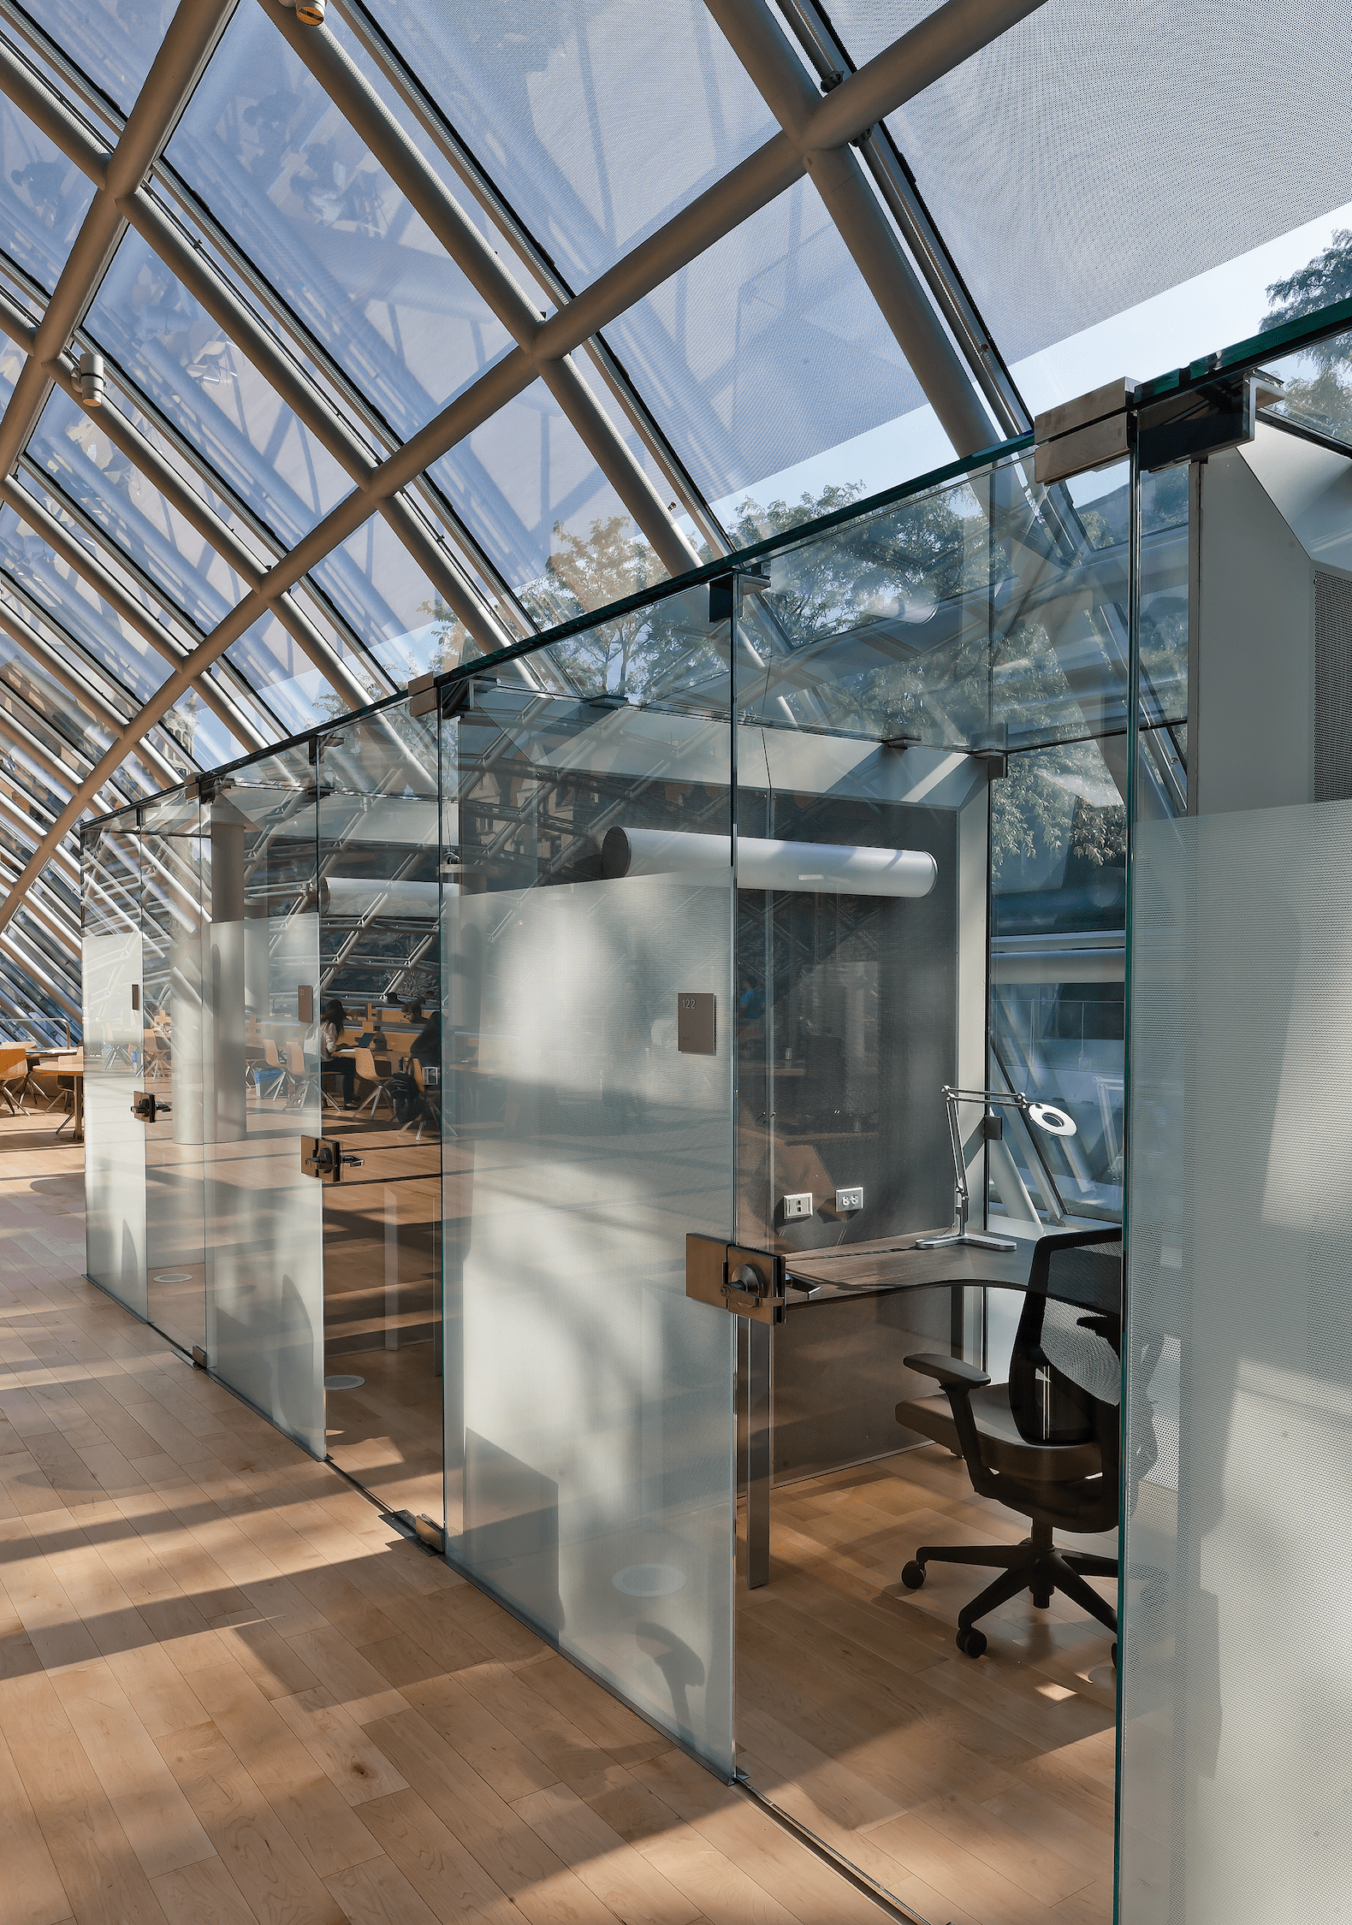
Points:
point(821, 1388)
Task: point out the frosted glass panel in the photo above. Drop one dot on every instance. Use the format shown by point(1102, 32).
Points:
point(265, 1300)
point(1237, 1668)
point(172, 1041)
point(114, 1143)
point(596, 1396)
point(264, 1259)
point(589, 1402)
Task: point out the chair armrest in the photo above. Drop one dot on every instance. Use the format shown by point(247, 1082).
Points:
point(950, 1372)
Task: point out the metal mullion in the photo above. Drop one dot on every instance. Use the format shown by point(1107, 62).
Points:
point(36, 966)
point(777, 71)
point(49, 766)
point(66, 961)
point(188, 42)
point(20, 328)
point(144, 132)
point(192, 457)
point(29, 954)
point(165, 183)
point(199, 515)
point(56, 907)
point(26, 825)
point(384, 439)
point(38, 610)
point(817, 36)
point(362, 109)
point(90, 570)
point(82, 88)
point(105, 542)
point(190, 38)
point(534, 259)
point(440, 510)
point(37, 650)
point(308, 402)
point(68, 938)
point(910, 63)
point(33, 718)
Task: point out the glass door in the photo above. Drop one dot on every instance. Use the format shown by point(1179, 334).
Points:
point(171, 1057)
point(380, 1078)
point(589, 1431)
point(111, 1064)
point(264, 1263)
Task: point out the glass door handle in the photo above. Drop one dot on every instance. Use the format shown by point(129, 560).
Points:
point(747, 1283)
point(323, 1157)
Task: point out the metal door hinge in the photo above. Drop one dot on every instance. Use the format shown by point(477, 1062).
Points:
point(747, 1283)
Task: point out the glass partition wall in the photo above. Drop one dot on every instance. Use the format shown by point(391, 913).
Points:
point(1239, 1374)
point(774, 921)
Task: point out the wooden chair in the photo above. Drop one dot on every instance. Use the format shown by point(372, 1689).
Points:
point(429, 1100)
point(298, 1081)
point(13, 1073)
point(368, 1073)
point(272, 1066)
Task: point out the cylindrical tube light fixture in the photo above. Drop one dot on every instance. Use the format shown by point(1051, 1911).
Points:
point(815, 868)
point(358, 896)
point(90, 379)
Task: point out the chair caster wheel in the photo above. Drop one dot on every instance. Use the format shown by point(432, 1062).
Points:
point(971, 1643)
point(913, 1575)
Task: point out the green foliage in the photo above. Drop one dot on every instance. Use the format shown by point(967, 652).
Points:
point(1053, 797)
point(1319, 378)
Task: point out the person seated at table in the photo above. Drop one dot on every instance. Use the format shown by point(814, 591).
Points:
point(332, 1023)
point(425, 1049)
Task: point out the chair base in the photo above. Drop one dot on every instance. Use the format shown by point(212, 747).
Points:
point(1037, 1565)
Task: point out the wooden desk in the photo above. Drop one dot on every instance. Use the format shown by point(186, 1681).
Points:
point(836, 1387)
point(894, 1263)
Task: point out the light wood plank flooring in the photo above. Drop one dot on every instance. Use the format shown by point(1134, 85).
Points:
point(977, 1791)
point(228, 1695)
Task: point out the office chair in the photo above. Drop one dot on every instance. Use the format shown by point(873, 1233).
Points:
point(1047, 1443)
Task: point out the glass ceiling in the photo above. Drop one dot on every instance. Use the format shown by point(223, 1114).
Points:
point(373, 233)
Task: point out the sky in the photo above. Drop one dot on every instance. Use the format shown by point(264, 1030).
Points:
point(1212, 310)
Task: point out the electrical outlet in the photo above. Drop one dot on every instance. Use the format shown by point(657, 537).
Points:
point(849, 1199)
point(798, 1206)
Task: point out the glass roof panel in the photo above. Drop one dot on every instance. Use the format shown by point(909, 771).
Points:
point(297, 693)
point(172, 349)
point(130, 404)
point(373, 582)
point(83, 629)
point(43, 198)
point(99, 478)
point(111, 41)
point(768, 354)
point(531, 494)
point(299, 192)
point(599, 120)
point(1064, 211)
point(42, 580)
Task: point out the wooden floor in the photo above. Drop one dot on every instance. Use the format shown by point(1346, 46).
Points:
point(979, 1791)
point(227, 1694)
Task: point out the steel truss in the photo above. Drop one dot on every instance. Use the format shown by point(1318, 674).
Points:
point(900, 257)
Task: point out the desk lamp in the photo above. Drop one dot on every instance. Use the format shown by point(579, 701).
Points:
point(1043, 1115)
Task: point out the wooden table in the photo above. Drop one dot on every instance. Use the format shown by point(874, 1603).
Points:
point(885, 1267)
point(70, 1077)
